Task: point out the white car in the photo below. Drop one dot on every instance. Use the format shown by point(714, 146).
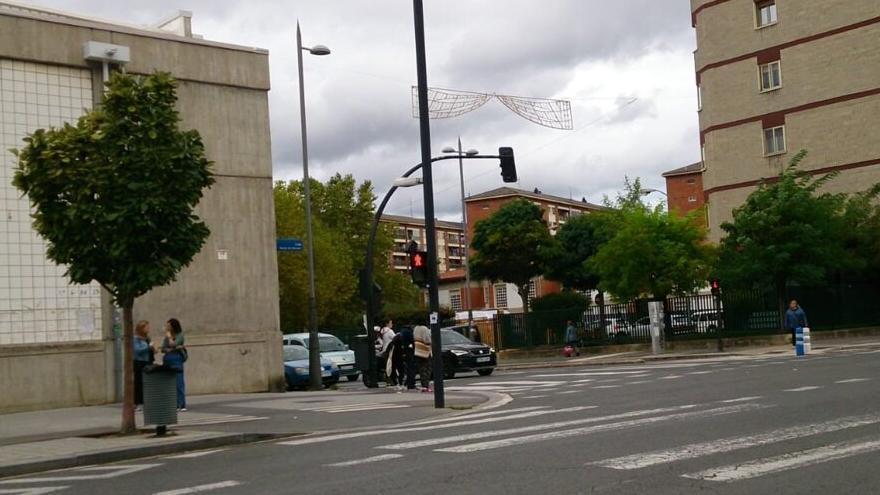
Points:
point(331, 348)
point(705, 321)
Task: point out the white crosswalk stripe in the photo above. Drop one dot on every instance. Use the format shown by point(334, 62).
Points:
point(695, 450)
point(217, 420)
point(786, 462)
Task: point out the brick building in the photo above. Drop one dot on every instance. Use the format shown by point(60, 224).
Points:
point(684, 188)
point(778, 76)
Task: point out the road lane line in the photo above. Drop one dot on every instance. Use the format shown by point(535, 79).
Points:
point(741, 399)
point(786, 462)
point(201, 488)
point(350, 409)
point(542, 437)
point(378, 458)
point(853, 380)
point(476, 415)
point(193, 455)
point(42, 490)
point(370, 433)
point(566, 392)
point(606, 386)
point(527, 429)
point(588, 373)
point(670, 377)
point(639, 382)
point(533, 397)
point(82, 474)
point(706, 372)
point(803, 389)
point(695, 450)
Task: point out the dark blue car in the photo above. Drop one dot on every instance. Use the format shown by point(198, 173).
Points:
point(296, 368)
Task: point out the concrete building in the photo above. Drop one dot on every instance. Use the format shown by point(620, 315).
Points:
point(778, 76)
point(58, 346)
point(684, 188)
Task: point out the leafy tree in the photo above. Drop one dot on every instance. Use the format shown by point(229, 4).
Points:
point(787, 231)
point(560, 300)
point(574, 243)
point(861, 219)
point(508, 245)
point(114, 194)
point(649, 252)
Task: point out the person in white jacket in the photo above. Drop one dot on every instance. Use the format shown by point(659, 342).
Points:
point(422, 337)
point(386, 335)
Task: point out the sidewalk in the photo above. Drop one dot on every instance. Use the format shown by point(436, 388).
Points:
point(63, 438)
point(553, 358)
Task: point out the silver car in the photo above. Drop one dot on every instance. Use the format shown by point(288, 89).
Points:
point(331, 348)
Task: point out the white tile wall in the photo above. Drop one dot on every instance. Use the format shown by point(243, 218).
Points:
point(38, 304)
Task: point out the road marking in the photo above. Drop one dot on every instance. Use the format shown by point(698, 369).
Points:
point(541, 437)
point(803, 389)
point(193, 455)
point(232, 418)
point(695, 450)
point(741, 399)
point(607, 386)
point(853, 380)
point(476, 415)
point(363, 407)
point(639, 382)
point(370, 433)
point(378, 458)
point(526, 429)
point(670, 377)
point(109, 472)
point(589, 373)
point(201, 488)
point(585, 380)
point(786, 462)
point(42, 490)
point(706, 372)
point(533, 397)
point(565, 392)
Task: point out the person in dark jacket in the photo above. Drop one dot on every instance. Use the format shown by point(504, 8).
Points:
point(175, 354)
point(144, 355)
point(795, 318)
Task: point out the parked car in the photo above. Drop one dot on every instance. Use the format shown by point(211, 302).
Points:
point(331, 348)
point(462, 354)
point(705, 321)
point(296, 368)
point(613, 326)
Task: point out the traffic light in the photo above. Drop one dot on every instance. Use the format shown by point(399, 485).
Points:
point(418, 268)
point(508, 166)
point(716, 287)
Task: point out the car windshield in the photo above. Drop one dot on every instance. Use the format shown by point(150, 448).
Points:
point(295, 353)
point(450, 337)
point(327, 343)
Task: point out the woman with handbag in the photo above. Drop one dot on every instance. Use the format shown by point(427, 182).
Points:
point(144, 355)
point(175, 354)
point(422, 351)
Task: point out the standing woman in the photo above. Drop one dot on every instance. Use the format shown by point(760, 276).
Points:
point(175, 355)
point(144, 354)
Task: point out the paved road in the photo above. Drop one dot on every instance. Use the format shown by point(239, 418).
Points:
point(739, 426)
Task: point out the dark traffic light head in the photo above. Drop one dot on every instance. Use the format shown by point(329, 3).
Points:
point(418, 268)
point(508, 165)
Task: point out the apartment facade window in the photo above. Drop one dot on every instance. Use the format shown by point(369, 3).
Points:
point(455, 300)
point(771, 76)
point(692, 199)
point(533, 290)
point(501, 296)
point(765, 12)
point(774, 140)
point(692, 181)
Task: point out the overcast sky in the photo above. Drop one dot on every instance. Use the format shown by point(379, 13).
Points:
point(626, 66)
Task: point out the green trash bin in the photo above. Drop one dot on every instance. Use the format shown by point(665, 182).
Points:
point(160, 397)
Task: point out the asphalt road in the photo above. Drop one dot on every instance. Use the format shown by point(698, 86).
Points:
point(775, 424)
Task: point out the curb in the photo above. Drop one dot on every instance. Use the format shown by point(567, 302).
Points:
point(129, 453)
point(635, 360)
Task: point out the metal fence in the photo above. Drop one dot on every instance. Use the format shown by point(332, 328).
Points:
point(738, 313)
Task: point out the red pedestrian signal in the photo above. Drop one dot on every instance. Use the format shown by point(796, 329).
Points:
point(417, 260)
point(418, 268)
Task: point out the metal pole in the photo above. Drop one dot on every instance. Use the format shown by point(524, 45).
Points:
point(718, 322)
point(314, 350)
point(467, 272)
point(428, 184)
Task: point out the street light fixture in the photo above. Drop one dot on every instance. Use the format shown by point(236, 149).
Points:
point(647, 191)
point(467, 272)
point(314, 350)
point(407, 181)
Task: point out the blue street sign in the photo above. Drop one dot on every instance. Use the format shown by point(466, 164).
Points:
point(289, 244)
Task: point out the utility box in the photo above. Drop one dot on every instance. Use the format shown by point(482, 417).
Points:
point(160, 396)
point(655, 311)
point(365, 360)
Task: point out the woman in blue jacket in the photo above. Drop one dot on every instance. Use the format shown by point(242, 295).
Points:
point(175, 354)
point(144, 352)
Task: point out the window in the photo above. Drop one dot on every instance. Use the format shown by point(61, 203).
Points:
point(699, 98)
point(533, 290)
point(692, 199)
point(455, 263)
point(455, 300)
point(771, 76)
point(399, 233)
point(501, 296)
point(774, 140)
point(766, 13)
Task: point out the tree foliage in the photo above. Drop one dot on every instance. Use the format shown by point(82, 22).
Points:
point(565, 259)
point(507, 246)
point(788, 231)
point(649, 253)
point(342, 212)
point(560, 300)
point(114, 195)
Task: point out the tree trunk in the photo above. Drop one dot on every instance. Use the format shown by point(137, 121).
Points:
point(128, 423)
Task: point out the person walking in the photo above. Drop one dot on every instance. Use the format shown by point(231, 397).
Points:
point(795, 318)
point(144, 355)
point(571, 337)
point(384, 340)
point(174, 355)
point(422, 352)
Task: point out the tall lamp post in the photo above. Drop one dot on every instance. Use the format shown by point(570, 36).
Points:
point(649, 190)
point(467, 272)
point(314, 350)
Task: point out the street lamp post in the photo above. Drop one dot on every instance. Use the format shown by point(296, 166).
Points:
point(315, 381)
point(649, 190)
point(467, 272)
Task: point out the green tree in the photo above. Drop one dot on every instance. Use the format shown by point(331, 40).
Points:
point(649, 252)
point(861, 219)
point(787, 231)
point(565, 259)
point(114, 196)
point(507, 246)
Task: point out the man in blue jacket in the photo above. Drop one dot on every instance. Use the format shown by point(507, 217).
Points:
point(795, 318)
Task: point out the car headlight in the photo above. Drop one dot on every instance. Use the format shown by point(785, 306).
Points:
point(301, 371)
point(459, 353)
point(492, 350)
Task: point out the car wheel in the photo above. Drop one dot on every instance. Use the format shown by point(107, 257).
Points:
point(448, 373)
point(353, 378)
point(486, 372)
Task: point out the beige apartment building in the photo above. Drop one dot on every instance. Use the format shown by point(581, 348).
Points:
point(778, 76)
point(59, 342)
